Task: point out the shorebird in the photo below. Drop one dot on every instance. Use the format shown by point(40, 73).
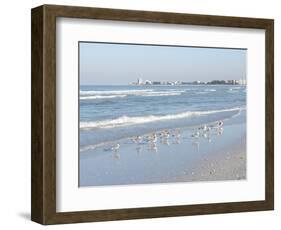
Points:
point(162, 134)
point(166, 133)
point(115, 147)
point(146, 139)
point(195, 135)
point(219, 123)
point(203, 128)
point(136, 139)
point(176, 133)
point(153, 138)
point(205, 135)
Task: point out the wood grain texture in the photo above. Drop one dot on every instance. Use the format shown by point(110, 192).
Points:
point(37, 115)
point(269, 116)
point(43, 158)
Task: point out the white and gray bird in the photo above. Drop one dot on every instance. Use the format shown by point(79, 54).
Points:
point(136, 139)
point(203, 128)
point(219, 123)
point(176, 133)
point(153, 138)
point(195, 135)
point(166, 133)
point(115, 147)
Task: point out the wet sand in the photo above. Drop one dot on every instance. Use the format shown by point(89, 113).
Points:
point(227, 164)
point(179, 158)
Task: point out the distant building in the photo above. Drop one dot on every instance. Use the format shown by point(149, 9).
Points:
point(242, 82)
point(148, 82)
point(217, 82)
point(139, 82)
point(212, 82)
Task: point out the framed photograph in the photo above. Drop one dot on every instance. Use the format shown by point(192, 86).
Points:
point(140, 114)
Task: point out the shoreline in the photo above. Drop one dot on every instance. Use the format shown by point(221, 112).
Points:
point(186, 159)
point(89, 138)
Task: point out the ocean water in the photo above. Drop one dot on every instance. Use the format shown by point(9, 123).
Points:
point(112, 113)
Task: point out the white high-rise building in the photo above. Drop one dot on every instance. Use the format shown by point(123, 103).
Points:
point(139, 82)
point(242, 82)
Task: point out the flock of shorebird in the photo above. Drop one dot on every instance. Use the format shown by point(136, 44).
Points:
point(164, 136)
point(205, 130)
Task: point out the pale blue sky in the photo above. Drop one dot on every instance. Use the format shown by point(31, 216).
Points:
point(105, 63)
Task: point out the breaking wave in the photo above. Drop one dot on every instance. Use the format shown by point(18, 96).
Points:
point(115, 92)
point(92, 95)
point(126, 121)
point(101, 97)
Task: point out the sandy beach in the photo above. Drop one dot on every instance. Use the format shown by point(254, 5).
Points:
point(174, 114)
point(180, 157)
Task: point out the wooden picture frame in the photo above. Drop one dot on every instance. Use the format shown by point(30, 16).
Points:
point(43, 160)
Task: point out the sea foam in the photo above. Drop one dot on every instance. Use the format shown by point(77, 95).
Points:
point(126, 120)
point(91, 97)
point(114, 92)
